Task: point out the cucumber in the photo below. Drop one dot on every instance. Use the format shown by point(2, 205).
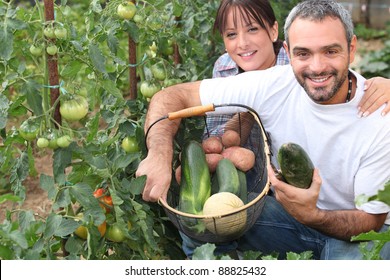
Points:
point(243, 186)
point(195, 186)
point(295, 165)
point(227, 176)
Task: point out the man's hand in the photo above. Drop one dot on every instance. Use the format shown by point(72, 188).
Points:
point(299, 203)
point(159, 173)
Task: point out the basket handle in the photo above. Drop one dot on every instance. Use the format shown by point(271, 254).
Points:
point(192, 111)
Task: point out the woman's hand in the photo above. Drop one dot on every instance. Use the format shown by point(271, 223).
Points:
point(377, 93)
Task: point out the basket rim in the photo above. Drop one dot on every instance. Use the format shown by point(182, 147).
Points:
point(267, 186)
point(236, 210)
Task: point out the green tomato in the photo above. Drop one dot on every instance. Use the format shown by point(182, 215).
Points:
point(153, 47)
point(49, 32)
point(148, 89)
point(29, 129)
point(42, 142)
point(137, 18)
point(61, 32)
point(130, 144)
point(74, 109)
point(114, 233)
point(36, 50)
point(150, 53)
point(168, 50)
point(52, 49)
point(64, 141)
point(171, 82)
point(126, 10)
point(53, 143)
point(158, 71)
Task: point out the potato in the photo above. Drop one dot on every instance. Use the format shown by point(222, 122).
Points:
point(230, 138)
point(212, 145)
point(212, 161)
point(241, 123)
point(242, 158)
point(178, 174)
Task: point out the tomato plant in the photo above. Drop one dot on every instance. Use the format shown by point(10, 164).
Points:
point(83, 136)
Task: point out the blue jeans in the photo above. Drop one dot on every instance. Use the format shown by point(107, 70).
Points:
point(275, 231)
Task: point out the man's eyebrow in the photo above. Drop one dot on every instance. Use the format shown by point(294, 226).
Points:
point(332, 46)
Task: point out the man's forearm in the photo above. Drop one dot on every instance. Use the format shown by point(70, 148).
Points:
point(343, 224)
point(169, 100)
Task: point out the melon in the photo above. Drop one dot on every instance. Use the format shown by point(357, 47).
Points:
point(218, 206)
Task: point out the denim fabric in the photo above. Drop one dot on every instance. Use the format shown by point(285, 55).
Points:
point(276, 231)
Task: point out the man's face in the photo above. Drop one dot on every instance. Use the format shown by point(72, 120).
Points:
point(320, 58)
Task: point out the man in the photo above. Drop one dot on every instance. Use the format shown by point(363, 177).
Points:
point(311, 102)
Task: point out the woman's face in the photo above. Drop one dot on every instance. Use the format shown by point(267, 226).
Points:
point(248, 44)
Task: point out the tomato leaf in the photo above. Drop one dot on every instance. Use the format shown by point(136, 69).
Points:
point(72, 69)
point(7, 44)
point(9, 197)
point(47, 183)
point(66, 227)
point(112, 42)
point(112, 89)
point(137, 185)
point(4, 105)
point(124, 160)
point(61, 159)
point(97, 58)
point(53, 222)
point(34, 99)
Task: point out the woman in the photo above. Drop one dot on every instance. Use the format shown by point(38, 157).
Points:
point(250, 33)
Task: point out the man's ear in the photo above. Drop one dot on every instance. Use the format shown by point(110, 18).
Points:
point(285, 46)
point(353, 49)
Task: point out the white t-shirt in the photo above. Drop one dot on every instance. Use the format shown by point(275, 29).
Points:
point(351, 153)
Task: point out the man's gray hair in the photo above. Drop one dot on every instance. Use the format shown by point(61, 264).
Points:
point(318, 10)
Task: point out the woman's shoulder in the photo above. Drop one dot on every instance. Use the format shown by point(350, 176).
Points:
point(224, 66)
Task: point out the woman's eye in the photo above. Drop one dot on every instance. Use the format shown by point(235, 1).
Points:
point(253, 29)
point(230, 35)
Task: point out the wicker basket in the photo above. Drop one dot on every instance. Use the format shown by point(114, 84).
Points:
point(253, 136)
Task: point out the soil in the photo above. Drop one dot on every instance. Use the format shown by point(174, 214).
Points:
point(36, 198)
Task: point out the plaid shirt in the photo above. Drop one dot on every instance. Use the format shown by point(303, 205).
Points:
point(224, 67)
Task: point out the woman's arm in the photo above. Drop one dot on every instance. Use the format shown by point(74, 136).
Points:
point(377, 93)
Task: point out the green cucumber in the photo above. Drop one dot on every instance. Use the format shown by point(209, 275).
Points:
point(227, 176)
point(295, 165)
point(243, 186)
point(195, 186)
